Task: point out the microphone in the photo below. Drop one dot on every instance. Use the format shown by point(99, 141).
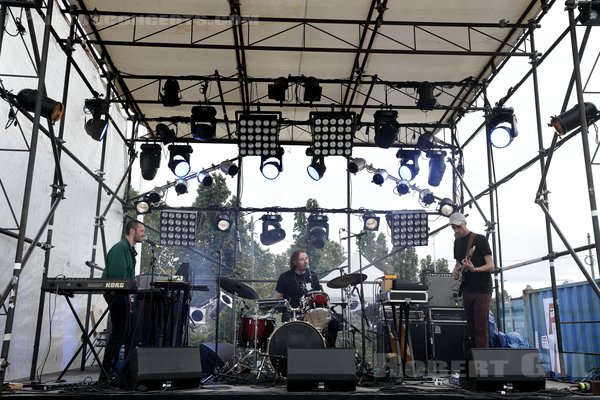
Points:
point(151, 243)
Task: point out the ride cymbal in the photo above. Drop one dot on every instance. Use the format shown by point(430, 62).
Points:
point(346, 280)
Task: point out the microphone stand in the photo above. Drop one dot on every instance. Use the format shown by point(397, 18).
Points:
point(362, 301)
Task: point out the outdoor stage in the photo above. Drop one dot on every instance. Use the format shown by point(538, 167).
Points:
point(82, 385)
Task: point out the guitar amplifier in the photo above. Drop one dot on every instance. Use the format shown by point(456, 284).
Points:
point(447, 314)
point(443, 290)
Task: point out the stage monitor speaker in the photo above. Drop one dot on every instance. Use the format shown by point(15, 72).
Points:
point(499, 369)
point(321, 368)
point(156, 367)
point(448, 345)
point(210, 359)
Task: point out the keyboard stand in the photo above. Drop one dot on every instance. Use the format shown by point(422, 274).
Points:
point(85, 336)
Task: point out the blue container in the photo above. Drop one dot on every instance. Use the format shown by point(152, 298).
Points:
point(578, 303)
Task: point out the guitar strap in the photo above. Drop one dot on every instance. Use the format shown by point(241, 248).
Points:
point(470, 243)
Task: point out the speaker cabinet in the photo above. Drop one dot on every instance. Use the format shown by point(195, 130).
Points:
point(209, 357)
point(448, 344)
point(497, 369)
point(324, 368)
point(420, 340)
point(153, 367)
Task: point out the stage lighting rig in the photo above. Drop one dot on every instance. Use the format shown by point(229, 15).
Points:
point(386, 128)
point(332, 133)
point(427, 100)
point(501, 126)
point(316, 168)
point(409, 163)
point(203, 122)
point(223, 222)
point(446, 207)
point(370, 221)
point(166, 134)
point(380, 176)
point(179, 159)
point(150, 160)
point(271, 229)
point(178, 228)
point(97, 126)
point(569, 120)
point(27, 98)
point(229, 168)
point(408, 228)
point(356, 165)
point(312, 89)
point(437, 166)
point(170, 95)
point(205, 179)
point(277, 90)
point(318, 230)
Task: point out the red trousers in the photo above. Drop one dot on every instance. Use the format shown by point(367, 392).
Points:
point(477, 308)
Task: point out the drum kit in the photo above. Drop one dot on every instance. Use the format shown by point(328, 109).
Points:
point(258, 336)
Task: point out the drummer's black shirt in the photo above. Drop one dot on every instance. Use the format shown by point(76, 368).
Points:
point(293, 286)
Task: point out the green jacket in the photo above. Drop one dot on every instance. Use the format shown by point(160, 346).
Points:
point(120, 261)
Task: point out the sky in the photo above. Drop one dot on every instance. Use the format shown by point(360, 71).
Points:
point(521, 229)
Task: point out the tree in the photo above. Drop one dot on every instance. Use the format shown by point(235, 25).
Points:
point(440, 265)
point(404, 264)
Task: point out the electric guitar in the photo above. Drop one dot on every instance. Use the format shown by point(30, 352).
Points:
point(463, 271)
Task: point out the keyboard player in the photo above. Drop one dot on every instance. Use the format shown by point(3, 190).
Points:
point(120, 264)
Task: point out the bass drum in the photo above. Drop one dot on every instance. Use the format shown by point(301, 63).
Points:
point(295, 334)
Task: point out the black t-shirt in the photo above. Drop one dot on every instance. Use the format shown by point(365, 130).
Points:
point(474, 282)
point(293, 286)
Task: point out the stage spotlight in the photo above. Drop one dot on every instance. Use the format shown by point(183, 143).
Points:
point(332, 133)
point(426, 100)
point(312, 89)
point(203, 122)
point(501, 126)
point(446, 207)
point(149, 160)
point(403, 187)
point(156, 195)
point(437, 166)
point(204, 179)
point(258, 133)
point(51, 109)
point(178, 228)
point(570, 120)
point(142, 206)
point(166, 134)
point(356, 165)
point(589, 13)
point(271, 167)
point(229, 168)
point(380, 176)
point(408, 228)
point(317, 168)
point(426, 197)
point(278, 89)
point(370, 221)
point(223, 222)
point(170, 95)
point(179, 159)
point(386, 128)
point(318, 230)
point(425, 142)
point(409, 163)
point(271, 229)
point(181, 187)
point(97, 126)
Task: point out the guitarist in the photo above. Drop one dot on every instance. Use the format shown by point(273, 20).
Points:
point(474, 262)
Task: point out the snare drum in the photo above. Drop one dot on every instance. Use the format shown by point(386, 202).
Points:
point(316, 299)
point(254, 331)
point(295, 334)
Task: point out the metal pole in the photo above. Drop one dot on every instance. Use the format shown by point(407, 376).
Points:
point(18, 264)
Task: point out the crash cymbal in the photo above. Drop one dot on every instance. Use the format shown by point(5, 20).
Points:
point(346, 280)
point(239, 288)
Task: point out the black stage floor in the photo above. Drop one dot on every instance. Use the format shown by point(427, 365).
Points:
point(82, 385)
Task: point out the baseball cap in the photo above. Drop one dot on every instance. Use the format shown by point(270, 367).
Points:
point(457, 219)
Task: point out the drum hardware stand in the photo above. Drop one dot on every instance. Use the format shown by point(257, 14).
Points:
point(217, 371)
point(361, 296)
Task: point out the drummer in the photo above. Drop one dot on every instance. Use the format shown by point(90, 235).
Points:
point(293, 285)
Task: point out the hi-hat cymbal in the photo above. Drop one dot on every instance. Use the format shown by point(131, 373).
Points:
point(346, 280)
point(239, 288)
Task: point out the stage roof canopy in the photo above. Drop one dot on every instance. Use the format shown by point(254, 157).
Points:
point(365, 55)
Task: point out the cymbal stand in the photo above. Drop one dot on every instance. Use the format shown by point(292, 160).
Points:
point(346, 338)
point(364, 365)
point(217, 371)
